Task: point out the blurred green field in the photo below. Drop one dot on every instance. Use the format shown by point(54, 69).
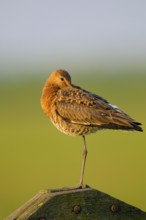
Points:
point(35, 156)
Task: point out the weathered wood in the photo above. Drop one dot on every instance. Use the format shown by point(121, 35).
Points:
point(83, 204)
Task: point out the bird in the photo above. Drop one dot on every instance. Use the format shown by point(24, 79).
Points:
point(78, 112)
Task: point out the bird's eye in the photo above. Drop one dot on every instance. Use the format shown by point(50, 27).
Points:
point(62, 79)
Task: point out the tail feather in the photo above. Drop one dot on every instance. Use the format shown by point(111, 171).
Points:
point(134, 126)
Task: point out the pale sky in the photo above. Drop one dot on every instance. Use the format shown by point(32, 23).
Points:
point(69, 34)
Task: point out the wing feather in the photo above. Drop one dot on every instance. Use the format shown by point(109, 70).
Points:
point(82, 107)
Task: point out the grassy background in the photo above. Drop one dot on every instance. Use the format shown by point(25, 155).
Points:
point(35, 156)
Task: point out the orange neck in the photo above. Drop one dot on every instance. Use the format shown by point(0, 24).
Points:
point(48, 97)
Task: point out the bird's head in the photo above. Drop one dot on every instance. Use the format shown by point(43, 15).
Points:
point(59, 78)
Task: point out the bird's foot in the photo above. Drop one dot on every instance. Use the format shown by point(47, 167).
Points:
point(80, 186)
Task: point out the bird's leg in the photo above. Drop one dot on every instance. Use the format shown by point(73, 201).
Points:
point(80, 186)
point(83, 163)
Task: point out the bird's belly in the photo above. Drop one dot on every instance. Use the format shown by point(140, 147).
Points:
point(72, 128)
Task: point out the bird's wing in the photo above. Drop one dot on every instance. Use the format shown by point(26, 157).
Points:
point(79, 106)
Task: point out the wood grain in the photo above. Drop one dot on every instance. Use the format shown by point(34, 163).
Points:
point(83, 204)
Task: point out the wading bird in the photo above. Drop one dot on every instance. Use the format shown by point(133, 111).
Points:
point(77, 112)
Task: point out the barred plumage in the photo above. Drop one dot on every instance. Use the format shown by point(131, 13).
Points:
point(75, 111)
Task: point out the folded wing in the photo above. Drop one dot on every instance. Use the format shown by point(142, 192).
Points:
point(81, 107)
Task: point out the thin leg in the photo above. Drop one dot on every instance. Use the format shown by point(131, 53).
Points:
point(82, 172)
point(83, 162)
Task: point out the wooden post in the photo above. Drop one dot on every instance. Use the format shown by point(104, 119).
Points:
point(83, 204)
